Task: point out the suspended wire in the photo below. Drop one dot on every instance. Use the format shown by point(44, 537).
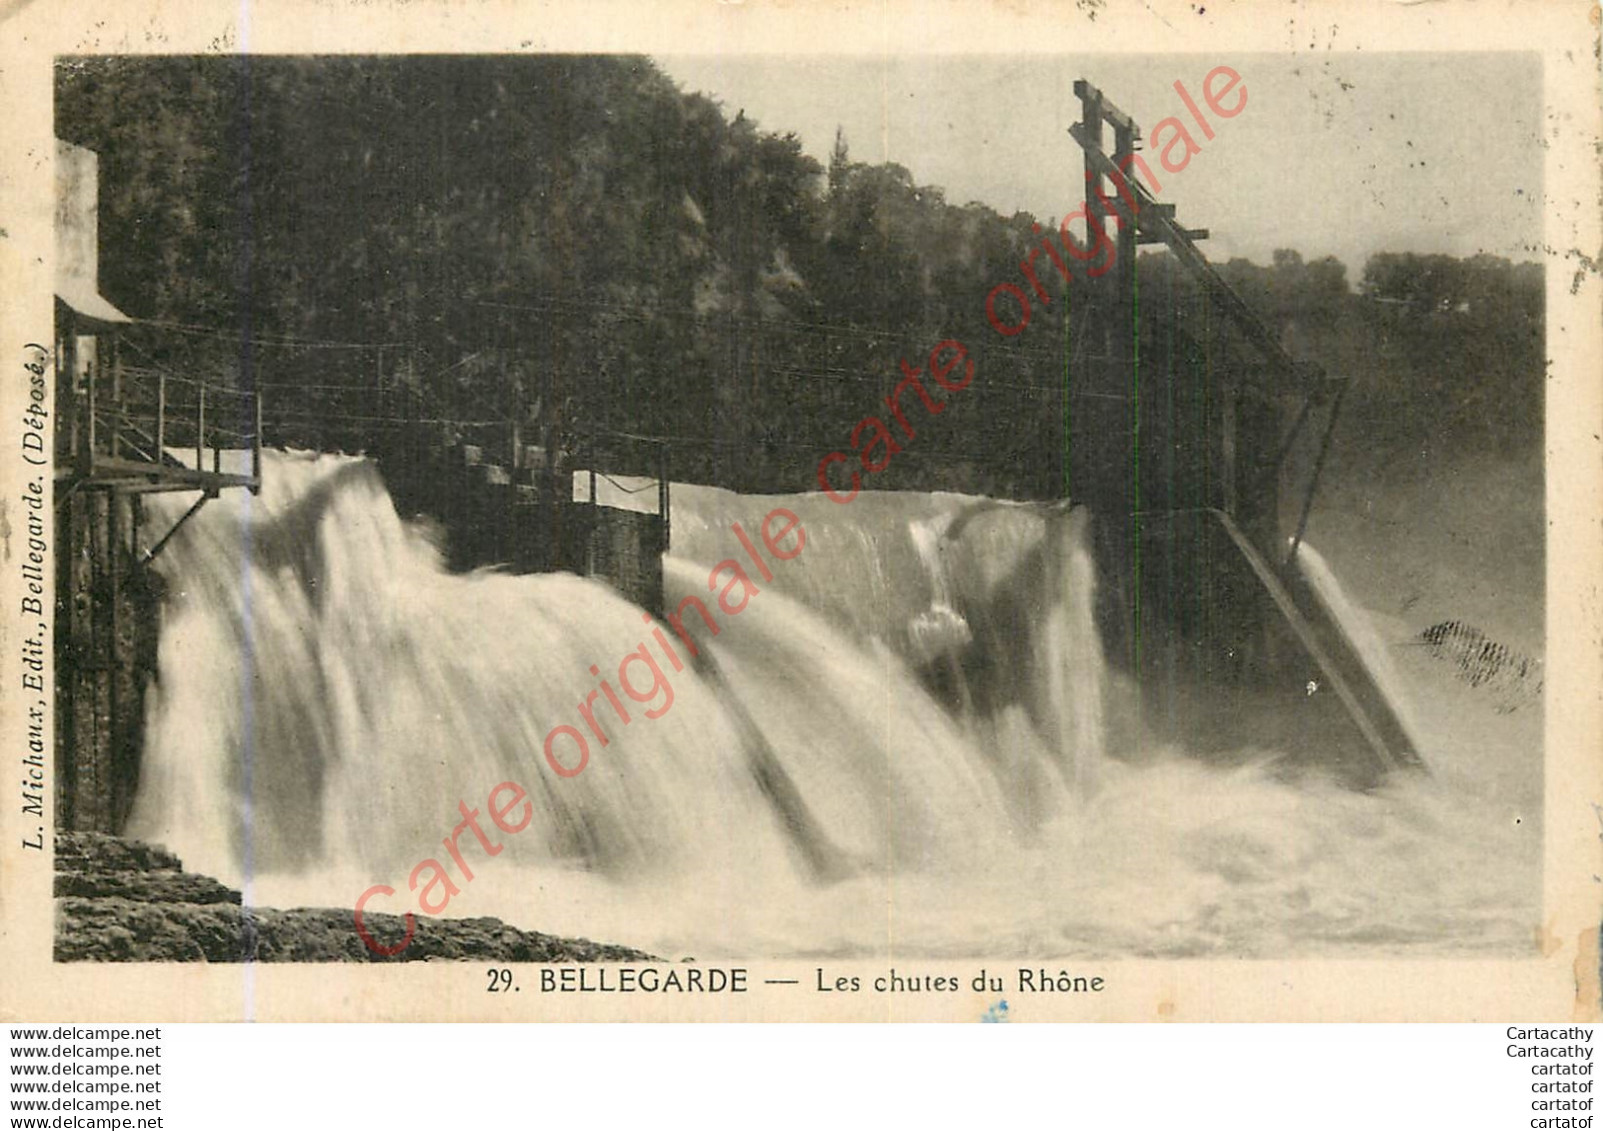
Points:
point(253, 338)
point(543, 304)
point(874, 337)
point(764, 443)
point(428, 401)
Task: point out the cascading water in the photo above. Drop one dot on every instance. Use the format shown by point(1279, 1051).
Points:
point(900, 746)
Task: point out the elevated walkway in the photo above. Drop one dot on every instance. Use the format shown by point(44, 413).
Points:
point(119, 432)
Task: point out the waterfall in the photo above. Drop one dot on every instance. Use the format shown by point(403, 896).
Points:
point(899, 745)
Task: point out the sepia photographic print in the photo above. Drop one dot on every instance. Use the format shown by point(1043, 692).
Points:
point(734, 512)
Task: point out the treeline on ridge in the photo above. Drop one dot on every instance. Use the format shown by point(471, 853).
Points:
point(573, 239)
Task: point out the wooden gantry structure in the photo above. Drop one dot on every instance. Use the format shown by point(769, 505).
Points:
point(1182, 452)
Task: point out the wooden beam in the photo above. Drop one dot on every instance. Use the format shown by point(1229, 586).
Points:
point(150, 555)
point(1111, 114)
point(131, 475)
point(1328, 646)
point(1191, 233)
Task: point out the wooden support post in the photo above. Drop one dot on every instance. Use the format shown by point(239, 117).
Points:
point(161, 417)
point(1101, 457)
point(1123, 151)
point(664, 501)
point(116, 399)
point(1124, 366)
point(1313, 480)
point(1228, 482)
point(111, 597)
point(68, 382)
point(256, 443)
point(89, 378)
point(93, 670)
point(200, 432)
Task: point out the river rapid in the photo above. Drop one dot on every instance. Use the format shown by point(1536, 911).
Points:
point(828, 781)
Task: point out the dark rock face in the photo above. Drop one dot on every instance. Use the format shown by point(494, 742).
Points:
point(122, 901)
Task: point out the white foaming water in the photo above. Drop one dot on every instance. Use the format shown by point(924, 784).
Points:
point(1364, 637)
point(899, 747)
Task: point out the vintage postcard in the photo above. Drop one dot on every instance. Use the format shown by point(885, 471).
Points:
point(757, 511)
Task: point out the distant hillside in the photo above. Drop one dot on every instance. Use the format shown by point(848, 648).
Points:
point(574, 239)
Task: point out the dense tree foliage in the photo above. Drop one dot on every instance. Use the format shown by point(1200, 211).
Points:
point(572, 241)
point(1442, 352)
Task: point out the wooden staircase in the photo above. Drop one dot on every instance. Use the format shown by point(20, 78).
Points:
point(510, 505)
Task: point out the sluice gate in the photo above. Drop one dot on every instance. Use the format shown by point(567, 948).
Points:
point(532, 508)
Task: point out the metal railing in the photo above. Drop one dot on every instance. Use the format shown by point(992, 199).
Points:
point(133, 415)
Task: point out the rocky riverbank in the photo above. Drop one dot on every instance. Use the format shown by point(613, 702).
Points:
point(120, 900)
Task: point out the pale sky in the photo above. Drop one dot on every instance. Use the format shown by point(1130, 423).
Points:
point(1333, 154)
